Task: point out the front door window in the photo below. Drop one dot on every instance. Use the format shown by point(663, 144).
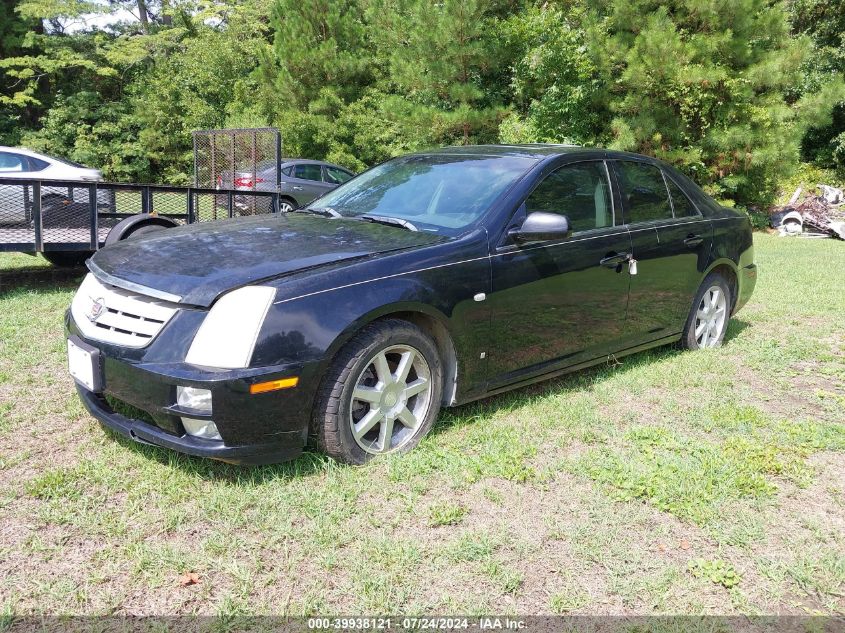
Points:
point(553, 303)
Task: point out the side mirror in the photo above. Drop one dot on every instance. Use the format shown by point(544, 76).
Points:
point(542, 226)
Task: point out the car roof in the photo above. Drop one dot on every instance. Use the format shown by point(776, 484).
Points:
point(307, 161)
point(534, 150)
point(22, 150)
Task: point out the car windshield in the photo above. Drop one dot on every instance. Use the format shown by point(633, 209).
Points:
point(438, 192)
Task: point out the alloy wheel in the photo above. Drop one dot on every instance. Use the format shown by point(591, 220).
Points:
point(285, 207)
point(391, 399)
point(711, 317)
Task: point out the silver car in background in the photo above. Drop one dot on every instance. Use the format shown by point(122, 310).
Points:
point(18, 162)
point(302, 181)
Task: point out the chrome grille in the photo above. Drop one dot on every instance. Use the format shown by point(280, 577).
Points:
point(114, 315)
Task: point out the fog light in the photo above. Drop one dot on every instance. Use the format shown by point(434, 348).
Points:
point(205, 429)
point(198, 400)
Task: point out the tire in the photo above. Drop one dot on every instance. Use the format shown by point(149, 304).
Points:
point(386, 404)
point(67, 259)
point(711, 309)
point(144, 230)
point(291, 205)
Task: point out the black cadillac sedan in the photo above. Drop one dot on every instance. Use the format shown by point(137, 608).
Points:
point(431, 280)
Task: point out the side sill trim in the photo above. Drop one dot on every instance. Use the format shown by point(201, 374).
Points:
point(571, 368)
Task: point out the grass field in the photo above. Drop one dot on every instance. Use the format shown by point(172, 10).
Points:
point(706, 482)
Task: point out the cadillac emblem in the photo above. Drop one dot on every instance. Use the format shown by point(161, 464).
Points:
point(98, 306)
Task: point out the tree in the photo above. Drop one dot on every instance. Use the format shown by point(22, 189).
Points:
point(702, 84)
point(441, 57)
point(125, 98)
point(823, 21)
point(13, 30)
point(320, 46)
point(557, 89)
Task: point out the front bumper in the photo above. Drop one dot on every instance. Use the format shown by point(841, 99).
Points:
point(255, 428)
point(146, 433)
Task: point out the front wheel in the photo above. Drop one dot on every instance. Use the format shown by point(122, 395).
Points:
point(710, 314)
point(381, 395)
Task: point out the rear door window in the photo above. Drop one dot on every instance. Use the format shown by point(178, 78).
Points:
point(308, 172)
point(683, 206)
point(644, 190)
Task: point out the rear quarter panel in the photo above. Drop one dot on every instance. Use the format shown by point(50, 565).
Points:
point(733, 246)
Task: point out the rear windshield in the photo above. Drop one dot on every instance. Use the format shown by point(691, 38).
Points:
point(441, 193)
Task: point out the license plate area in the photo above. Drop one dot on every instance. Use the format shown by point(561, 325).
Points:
point(84, 364)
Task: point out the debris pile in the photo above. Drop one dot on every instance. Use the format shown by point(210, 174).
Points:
point(817, 215)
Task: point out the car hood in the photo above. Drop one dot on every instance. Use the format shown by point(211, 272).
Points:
point(196, 264)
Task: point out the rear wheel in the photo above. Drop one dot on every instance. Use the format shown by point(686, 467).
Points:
point(287, 205)
point(381, 395)
point(710, 314)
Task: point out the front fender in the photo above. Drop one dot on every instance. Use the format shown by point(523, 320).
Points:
point(314, 327)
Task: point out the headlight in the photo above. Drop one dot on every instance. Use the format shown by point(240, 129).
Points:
point(227, 336)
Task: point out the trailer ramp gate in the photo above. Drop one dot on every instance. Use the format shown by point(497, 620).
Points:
point(238, 158)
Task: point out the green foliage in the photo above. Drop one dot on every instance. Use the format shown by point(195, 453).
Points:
point(716, 571)
point(441, 58)
point(446, 514)
point(808, 176)
point(126, 101)
point(703, 87)
point(13, 30)
point(85, 128)
point(710, 87)
point(823, 21)
point(556, 85)
point(319, 45)
point(732, 93)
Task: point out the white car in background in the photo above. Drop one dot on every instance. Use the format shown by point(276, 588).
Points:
point(17, 162)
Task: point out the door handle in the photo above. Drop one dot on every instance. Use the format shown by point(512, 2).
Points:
point(614, 260)
point(693, 240)
point(296, 188)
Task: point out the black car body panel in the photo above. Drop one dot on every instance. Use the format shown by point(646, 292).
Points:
point(503, 314)
point(232, 253)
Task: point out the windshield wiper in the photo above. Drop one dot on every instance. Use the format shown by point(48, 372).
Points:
point(384, 219)
point(326, 212)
